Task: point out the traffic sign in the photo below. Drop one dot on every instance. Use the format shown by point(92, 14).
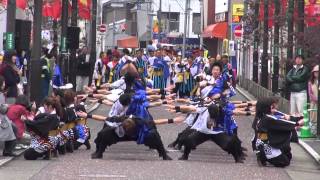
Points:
point(238, 31)
point(102, 28)
point(9, 41)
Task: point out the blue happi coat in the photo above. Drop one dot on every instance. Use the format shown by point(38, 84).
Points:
point(57, 79)
point(160, 74)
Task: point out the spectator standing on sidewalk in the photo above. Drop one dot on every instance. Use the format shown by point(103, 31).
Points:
point(99, 71)
point(45, 73)
point(83, 69)
point(11, 74)
point(297, 82)
point(313, 96)
point(7, 131)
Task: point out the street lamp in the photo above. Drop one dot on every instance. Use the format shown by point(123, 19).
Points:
point(114, 6)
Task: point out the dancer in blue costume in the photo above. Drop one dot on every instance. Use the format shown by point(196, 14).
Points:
point(207, 124)
point(114, 67)
point(141, 64)
point(195, 70)
point(189, 83)
point(160, 72)
point(129, 128)
point(57, 79)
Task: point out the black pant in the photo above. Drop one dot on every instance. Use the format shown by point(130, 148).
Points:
point(31, 154)
point(230, 144)
point(9, 146)
point(282, 160)
point(182, 136)
point(107, 137)
point(177, 90)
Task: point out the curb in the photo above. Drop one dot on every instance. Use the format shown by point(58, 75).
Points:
point(245, 94)
point(8, 159)
point(310, 150)
point(94, 107)
point(304, 145)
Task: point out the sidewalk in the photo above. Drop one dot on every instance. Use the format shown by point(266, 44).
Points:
point(4, 160)
point(311, 146)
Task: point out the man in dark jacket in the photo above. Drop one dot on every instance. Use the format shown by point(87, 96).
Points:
point(297, 83)
point(83, 69)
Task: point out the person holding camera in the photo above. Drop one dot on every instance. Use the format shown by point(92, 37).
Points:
point(297, 82)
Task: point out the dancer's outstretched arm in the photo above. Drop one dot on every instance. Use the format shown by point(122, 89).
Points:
point(178, 119)
point(94, 117)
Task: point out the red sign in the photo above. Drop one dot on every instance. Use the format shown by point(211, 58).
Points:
point(102, 28)
point(238, 31)
point(236, 19)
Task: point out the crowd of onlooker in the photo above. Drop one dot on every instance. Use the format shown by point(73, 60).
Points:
point(14, 105)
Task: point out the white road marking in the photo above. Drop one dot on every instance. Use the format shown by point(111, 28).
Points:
point(102, 176)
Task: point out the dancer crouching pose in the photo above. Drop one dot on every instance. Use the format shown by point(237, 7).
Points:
point(128, 128)
point(273, 133)
point(39, 128)
point(207, 125)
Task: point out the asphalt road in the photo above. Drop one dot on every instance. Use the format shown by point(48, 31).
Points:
point(129, 161)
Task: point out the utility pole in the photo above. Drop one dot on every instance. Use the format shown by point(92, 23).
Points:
point(300, 39)
point(256, 42)
point(159, 21)
point(185, 28)
point(150, 19)
point(11, 16)
point(275, 75)
point(63, 40)
point(35, 65)
point(169, 18)
point(73, 52)
point(290, 41)
point(264, 60)
point(318, 109)
point(201, 22)
point(244, 47)
point(290, 35)
point(93, 37)
point(114, 27)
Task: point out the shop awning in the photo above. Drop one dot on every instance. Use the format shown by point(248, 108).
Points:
point(218, 30)
point(128, 42)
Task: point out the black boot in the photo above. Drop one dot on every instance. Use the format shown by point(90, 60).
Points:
point(55, 153)
point(166, 157)
point(62, 149)
point(87, 144)
point(184, 157)
point(261, 157)
point(9, 147)
point(97, 155)
point(69, 146)
point(172, 145)
point(47, 155)
point(76, 145)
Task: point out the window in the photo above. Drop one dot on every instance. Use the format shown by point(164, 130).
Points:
point(196, 23)
point(170, 21)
